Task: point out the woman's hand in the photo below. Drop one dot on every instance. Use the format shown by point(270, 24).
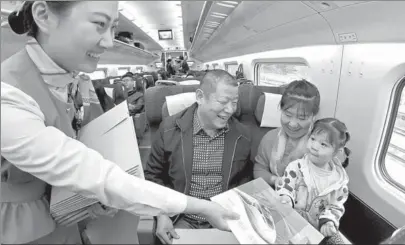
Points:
point(165, 230)
point(214, 213)
point(218, 216)
point(275, 180)
point(99, 209)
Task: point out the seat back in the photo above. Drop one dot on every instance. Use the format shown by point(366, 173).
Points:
point(155, 97)
point(251, 106)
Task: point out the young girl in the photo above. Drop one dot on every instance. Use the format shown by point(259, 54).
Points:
point(316, 185)
point(299, 105)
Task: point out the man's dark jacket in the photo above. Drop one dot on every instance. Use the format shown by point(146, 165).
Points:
point(171, 158)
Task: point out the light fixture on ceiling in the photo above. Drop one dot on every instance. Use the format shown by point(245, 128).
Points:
point(231, 2)
point(218, 16)
point(129, 10)
point(127, 14)
point(226, 5)
point(210, 25)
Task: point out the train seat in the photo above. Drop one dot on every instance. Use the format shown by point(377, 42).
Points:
point(155, 97)
point(251, 108)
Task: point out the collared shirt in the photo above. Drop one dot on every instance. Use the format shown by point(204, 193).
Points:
point(206, 177)
point(59, 160)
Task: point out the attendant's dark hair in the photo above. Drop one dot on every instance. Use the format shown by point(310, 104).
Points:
point(22, 21)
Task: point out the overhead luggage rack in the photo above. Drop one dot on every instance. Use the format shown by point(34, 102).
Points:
point(126, 54)
point(124, 47)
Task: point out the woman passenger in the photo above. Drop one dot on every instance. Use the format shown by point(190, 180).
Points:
point(299, 105)
point(38, 139)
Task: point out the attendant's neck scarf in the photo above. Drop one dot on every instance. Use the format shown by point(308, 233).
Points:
point(62, 84)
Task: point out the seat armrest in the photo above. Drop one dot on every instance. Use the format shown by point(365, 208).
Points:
point(146, 230)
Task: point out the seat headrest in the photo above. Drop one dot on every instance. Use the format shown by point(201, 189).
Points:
point(177, 103)
point(267, 110)
point(109, 91)
point(165, 82)
point(155, 97)
point(189, 82)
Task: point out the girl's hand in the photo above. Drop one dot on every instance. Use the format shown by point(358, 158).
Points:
point(328, 229)
point(285, 200)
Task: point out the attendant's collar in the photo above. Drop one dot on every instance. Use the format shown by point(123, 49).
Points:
point(53, 74)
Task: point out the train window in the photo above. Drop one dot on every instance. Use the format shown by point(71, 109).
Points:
point(231, 67)
point(98, 74)
point(122, 70)
point(278, 74)
point(393, 164)
point(139, 69)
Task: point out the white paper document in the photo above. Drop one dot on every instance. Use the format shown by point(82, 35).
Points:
point(113, 136)
point(263, 219)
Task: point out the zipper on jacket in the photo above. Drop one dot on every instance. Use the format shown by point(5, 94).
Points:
point(185, 174)
point(233, 156)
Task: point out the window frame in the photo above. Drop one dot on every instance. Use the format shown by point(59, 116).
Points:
point(227, 64)
point(289, 60)
point(127, 68)
point(392, 111)
point(104, 70)
point(139, 68)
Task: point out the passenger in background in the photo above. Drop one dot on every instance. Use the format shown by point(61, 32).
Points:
point(299, 105)
point(202, 151)
point(183, 64)
point(316, 185)
point(133, 95)
point(169, 68)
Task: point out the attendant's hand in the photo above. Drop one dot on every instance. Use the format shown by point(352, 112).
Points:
point(218, 216)
point(165, 230)
point(286, 200)
point(328, 229)
point(99, 209)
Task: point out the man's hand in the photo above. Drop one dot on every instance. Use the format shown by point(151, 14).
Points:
point(328, 229)
point(165, 230)
point(218, 216)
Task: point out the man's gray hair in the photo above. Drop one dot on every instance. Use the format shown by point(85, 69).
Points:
point(212, 78)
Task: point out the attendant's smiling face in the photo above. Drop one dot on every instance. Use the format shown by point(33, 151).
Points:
point(78, 37)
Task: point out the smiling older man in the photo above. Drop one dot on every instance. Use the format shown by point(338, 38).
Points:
point(201, 151)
